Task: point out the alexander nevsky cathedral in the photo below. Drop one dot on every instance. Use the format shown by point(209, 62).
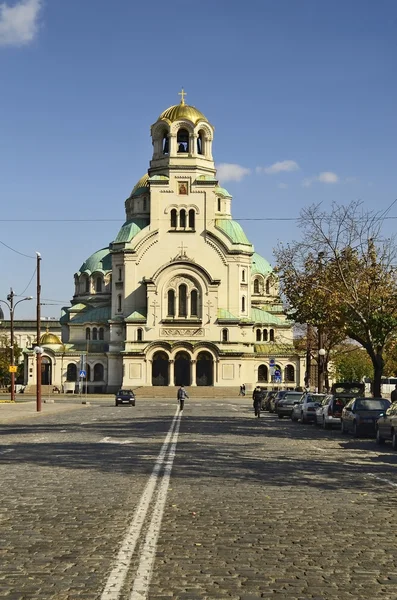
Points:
point(179, 296)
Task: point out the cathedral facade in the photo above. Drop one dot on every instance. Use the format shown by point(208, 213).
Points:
point(179, 296)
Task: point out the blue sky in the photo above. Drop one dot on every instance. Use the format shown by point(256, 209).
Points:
point(302, 96)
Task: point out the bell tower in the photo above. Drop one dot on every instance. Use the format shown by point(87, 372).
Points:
point(182, 139)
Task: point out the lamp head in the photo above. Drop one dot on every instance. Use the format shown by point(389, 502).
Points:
point(321, 352)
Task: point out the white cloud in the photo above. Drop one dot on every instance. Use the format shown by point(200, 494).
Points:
point(19, 23)
point(279, 167)
point(327, 177)
point(231, 172)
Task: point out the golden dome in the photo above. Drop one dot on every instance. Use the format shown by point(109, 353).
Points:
point(49, 338)
point(142, 183)
point(182, 111)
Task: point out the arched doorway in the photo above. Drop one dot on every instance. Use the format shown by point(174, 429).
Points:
point(160, 369)
point(182, 369)
point(205, 369)
point(46, 371)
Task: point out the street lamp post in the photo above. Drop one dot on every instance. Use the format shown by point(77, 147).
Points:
point(321, 354)
point(11, 308)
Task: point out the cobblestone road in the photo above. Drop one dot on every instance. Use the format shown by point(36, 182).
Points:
point(255, 509)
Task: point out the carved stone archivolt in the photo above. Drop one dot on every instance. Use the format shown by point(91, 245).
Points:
point(181, 332)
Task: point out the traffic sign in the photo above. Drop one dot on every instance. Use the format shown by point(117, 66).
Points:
point(272, 362)
point(12, 368)
point(83, 373)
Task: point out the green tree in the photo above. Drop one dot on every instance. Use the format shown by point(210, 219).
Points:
point(5, 358)
point(351, 363)
point(342, 274)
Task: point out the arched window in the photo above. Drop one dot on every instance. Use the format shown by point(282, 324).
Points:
point(120, 275)
point(200, 145)
point(191, 218)
point(267, 287)
point(272, 335)
point(165, 143)
point(87, 285)
point(262, 373)
point(144, 205)
point(182, 300)
point(183, 140)
point(225, 335)
point(101, 333)
point(265, 335)
point(98, 285)
point(119, 303)
point(289, 374)
point(243, 304)
point(219, 205)
point(256, 286)
point(98, 372)
point(87, 333)
point(173, 217)
point(182, 218)
point(171, 303)
point(243, 275)
point(139, 335)
point(194, 304)
point(95, 333)
point(88, 372)
point(258, 335)
point(71, 372)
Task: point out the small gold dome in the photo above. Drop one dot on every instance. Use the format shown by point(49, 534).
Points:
point(49, 338)
point(182, 111)
point(142, 183)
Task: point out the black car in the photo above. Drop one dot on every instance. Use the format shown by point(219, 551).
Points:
point(125, 397)
point(386, 426)
point(361, 414)
point(267, 399)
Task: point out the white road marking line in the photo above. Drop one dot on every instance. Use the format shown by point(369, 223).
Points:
point(321, 449)
point(108, 440)
point(145, 568)
point(119, 572)
point(235, 409)
point(7, 451)
point(382, 479)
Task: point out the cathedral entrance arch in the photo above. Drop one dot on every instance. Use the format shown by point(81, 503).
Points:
point(160, 369)
point(46, 371)
point(182, 369)
point(205, 369)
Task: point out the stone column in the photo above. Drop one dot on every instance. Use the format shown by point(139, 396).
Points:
point(171, 372)
point(149, 364)
point(193, 372)
point(172, 142)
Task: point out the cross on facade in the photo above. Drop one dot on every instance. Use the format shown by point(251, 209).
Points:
point(182, 94)
point(209, 305)
point(154, 305)
point(183, 249)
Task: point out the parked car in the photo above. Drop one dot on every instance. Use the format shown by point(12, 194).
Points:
point(305, 410)
point(273, 401)
point(125, 397)
point(266, 400)
point(329, 413)
point(286, 402)
point(386, 426)
point(361, 414)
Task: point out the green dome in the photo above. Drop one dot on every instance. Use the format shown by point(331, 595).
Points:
point(220, 191)
point(233, 230)
point(130, 229)
point(260, 266)
point(99, 261)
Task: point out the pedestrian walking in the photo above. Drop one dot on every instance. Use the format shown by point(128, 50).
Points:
point(393, 396)
point(257, 398)
point(242, 390)
point(182, 394)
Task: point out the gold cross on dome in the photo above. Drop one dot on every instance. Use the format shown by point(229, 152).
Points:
point(182, 94)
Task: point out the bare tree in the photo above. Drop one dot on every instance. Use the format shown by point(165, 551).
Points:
point(342, 275)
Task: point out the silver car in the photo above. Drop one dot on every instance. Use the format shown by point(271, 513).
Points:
point(329, 413)
point(305, 410)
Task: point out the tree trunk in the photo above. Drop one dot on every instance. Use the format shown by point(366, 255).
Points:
point(378, 364)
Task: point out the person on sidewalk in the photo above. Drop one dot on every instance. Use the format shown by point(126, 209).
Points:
point(182, 394)
point(257, 398)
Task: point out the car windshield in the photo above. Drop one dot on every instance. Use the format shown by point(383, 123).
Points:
point(289, 398)
point(372, 404)
point(315, 398)
point(124, 392)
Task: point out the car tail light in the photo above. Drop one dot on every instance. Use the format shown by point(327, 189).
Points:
point(311, 408)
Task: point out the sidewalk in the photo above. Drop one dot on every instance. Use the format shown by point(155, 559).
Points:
point(27, 410)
